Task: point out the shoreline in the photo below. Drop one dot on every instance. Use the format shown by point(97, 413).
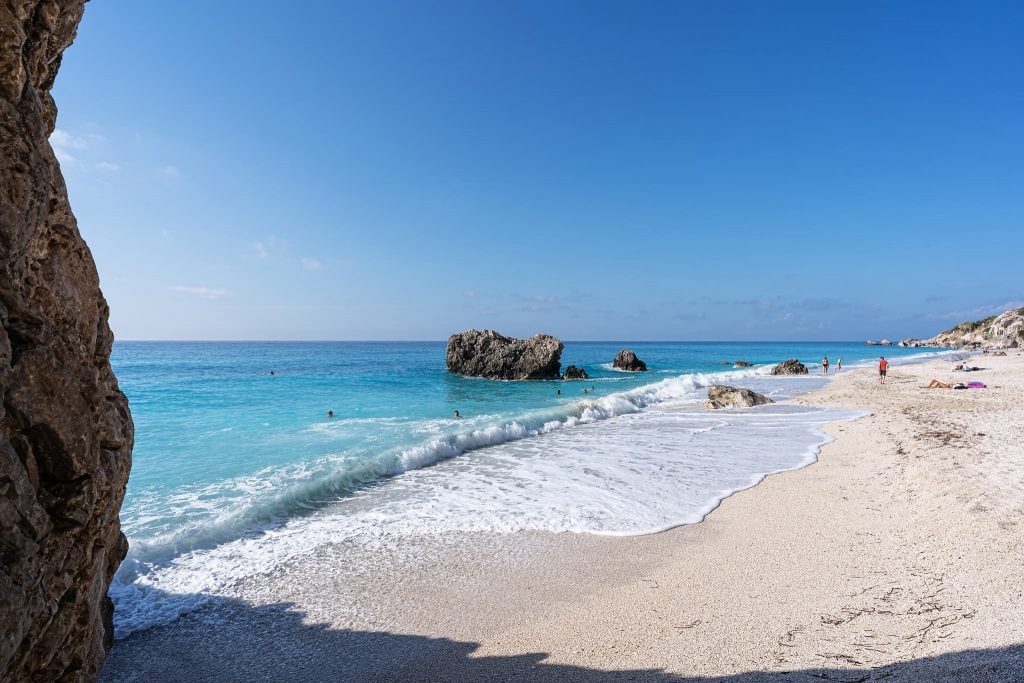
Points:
point(826, 569)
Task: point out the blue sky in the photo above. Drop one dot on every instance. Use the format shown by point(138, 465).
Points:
point(595, 170)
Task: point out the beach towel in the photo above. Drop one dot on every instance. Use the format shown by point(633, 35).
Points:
point(976, 385)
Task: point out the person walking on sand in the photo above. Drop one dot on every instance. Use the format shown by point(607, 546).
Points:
point(824, 365)
point(883, 367)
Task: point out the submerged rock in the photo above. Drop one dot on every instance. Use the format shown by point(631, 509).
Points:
point(488, 354)
point(742, 364)
point(627, 360)
point(573, 372)
point(790, 367)
point(65, 431)
point(721, 396)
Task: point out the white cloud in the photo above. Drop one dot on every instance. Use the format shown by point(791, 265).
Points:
point(268, 248)
point(64, 143)
point(64, 158)
point(310, 264)
point(65, 140)
point(68, 147)
point(204, 292)
point(170, 171)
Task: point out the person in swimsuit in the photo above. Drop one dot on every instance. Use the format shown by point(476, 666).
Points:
point(883, 367)
point(824, 365)
point(936, 384)
point(839, 363)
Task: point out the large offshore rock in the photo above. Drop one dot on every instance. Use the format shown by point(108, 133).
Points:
point(790, 367)
point(721, 396)
point(488, 354)
point(627, 360)
point(65, 431)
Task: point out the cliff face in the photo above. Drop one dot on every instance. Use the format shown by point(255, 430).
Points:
point(65, 431)
point(1003, 331)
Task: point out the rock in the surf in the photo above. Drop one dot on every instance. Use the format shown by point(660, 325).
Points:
point(721, 396)
point(627, 360)
point(488, 354)
point(742, 364)
point(790, 367)
point(573, 372)
point(65, 431)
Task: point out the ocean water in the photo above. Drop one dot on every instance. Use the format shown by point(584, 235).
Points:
point(237, 470)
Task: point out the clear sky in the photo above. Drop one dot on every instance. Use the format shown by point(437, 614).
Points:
point(595, 170)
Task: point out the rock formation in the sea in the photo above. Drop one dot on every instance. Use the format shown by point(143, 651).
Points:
point(627, 360)
point(65, 431)
point(573, 372)
point(1003, 331)
point(495, 356)
point(721, 396)
point(742, 364)
point(790, 367)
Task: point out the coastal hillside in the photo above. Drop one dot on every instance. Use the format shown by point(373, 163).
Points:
point(1003, 331)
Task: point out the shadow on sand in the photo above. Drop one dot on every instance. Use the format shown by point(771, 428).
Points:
point(230, 640)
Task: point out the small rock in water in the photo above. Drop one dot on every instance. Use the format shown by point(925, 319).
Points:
point(742, 364)
point(627, 360)
point(721, 396)
point(790, 367)
point(573, 372)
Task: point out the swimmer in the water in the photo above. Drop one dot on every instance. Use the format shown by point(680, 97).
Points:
point(457, 416)
point(330, 413)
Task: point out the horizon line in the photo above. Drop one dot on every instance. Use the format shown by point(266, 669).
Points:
point(442, 341)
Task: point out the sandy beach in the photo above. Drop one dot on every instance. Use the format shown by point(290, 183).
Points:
point(897, 556)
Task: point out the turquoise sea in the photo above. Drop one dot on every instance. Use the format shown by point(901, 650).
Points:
point(237, 470)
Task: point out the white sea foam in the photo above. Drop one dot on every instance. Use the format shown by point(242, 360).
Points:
point(631, 462)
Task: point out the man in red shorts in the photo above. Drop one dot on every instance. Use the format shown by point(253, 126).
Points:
point(883, 366)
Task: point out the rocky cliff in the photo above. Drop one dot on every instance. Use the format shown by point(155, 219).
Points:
point(65, 431)
point(488, 354)
point(1003, 331)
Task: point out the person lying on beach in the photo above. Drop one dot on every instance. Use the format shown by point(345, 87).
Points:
point(936, 384)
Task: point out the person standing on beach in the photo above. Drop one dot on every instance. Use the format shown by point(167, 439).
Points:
point(883, 367)
point(824, 365)
point(839, 363)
